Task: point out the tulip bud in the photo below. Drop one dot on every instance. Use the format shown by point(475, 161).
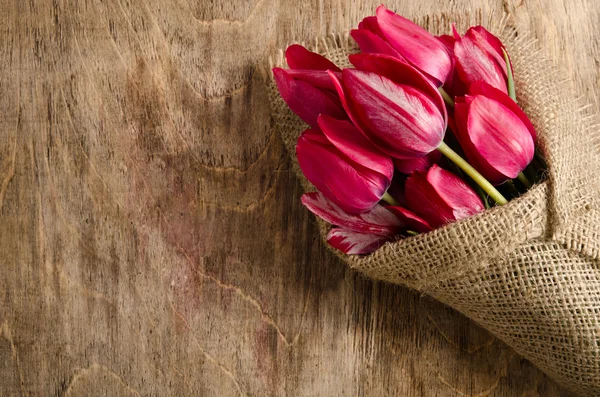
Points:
point(441, 197)
point(495, 134)
point(394, 35)
point(344, 165)
point(306, 87)
point(479, 57)
point(393, 104)
point(355, 234)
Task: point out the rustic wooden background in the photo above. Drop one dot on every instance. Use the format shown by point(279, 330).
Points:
point(151, 238)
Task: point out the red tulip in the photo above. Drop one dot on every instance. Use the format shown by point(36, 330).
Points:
point(394, 35)
point(495, 134)
point(393, 104)
point(355, 234)
point(479, 57)
point(306, 87)
point(407, 166)
point(344, 165)
point(441, 197)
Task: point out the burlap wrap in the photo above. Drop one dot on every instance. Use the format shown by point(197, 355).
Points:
point(528, 271)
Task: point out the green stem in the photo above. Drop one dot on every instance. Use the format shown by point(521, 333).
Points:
point(411, 232)
point(511, 81)
point(447, 98)
point(472, 172)
point(523, 179)
point(389, 199)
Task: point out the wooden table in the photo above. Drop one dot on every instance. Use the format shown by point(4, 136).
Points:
point(152, 241)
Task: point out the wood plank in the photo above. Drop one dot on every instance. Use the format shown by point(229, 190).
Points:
point(152, 239)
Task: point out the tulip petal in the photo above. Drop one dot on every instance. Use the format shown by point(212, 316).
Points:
point(316, 78)
point(370, 43)
point(370, 23)
point(481, 88)
point(407, 166)
point(353, 243)
point(461, 116)
point(410, 220)
point(399, 119)
point(377, 221)
point(448, 42)
point(298, 57)
point(415, 44)
point(305, 100)
point(479, 57)
point(501, 138)
point(350, 141)
point(325, 167)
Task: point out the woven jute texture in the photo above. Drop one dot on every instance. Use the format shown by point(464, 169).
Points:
point(529, 271)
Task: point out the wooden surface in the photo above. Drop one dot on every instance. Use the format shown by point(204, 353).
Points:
point(152, 242)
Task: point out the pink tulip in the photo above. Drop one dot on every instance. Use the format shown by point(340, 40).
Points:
point(407, 166)
point(355, 234)
point(306, 87)
point(344, 165)
point(441, 197)
point(479, 57)
point(393, 104)
point(495, 134)
point(391, 34)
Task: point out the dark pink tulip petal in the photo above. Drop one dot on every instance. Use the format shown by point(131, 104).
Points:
point(481, 88)
point(370, 43)
point(350, 141)
point(419, 47)
point(306, 100)
point(400, 73)
point(407, 166)
point(298, 57)
point(441, 197)
point(370, 23)
point(501, 138)
point(377, 221)
point(316, 78)
point(410, 220)
point(353, 243)
point(353, 188)
point(479, 57)
point(461, 113)
point(399, 119)
point(448, 42)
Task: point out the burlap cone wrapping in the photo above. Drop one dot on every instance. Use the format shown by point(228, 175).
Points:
point(529, 272)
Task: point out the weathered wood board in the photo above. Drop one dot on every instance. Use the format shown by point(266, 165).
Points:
point(151, 238)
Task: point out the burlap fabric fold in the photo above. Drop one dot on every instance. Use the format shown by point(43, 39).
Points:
point(529, 272)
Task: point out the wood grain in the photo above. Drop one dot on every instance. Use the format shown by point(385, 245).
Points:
point(152, 240)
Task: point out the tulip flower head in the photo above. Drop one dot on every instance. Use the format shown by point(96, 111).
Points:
point(306, 87)
point(344, 165)
point(479, 57)
point(441, 197)
point(391, 34)
point(354, 233)
point(495, 134)
point(393, 104)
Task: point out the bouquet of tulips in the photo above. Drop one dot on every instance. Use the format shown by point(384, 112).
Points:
point(378, 131)
point(428, 174)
